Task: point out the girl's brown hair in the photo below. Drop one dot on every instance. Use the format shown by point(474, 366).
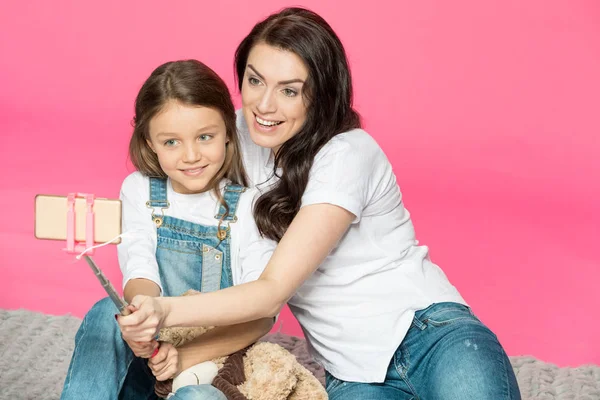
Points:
point(191, 83)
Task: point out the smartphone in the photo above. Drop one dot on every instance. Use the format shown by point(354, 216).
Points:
point(51, 218)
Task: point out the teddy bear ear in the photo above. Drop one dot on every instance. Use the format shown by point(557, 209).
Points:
point(308, 387)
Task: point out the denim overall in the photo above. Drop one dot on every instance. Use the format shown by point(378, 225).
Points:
point(189, 256)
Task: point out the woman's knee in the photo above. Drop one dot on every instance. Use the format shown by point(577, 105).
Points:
point(198, 392)
point(474, 366)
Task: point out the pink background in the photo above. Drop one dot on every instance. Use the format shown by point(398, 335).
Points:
point(487, 110)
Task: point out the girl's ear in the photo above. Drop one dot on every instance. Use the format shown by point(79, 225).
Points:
point(150, 145)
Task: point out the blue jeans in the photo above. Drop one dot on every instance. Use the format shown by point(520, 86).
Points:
point(103, 367)
point(200, 392)
point(447, 354)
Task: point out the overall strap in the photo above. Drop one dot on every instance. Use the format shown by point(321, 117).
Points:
point(158, 199)
point(158, 193)
point(231, 197)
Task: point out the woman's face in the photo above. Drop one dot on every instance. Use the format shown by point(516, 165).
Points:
point(272, 98)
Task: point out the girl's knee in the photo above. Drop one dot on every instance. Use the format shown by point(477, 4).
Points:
point(198, 392)
point(99, 323)
point(104, 310)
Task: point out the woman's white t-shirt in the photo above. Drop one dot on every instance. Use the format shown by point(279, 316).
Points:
point(358, 305)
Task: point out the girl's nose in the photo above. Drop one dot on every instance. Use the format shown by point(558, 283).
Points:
point(192, 153)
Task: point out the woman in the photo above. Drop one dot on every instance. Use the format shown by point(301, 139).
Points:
point(377, 313)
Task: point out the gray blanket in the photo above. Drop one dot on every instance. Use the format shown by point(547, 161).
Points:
point(35, 350)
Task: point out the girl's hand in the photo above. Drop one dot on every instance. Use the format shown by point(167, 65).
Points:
point(165, 364)
point(144, 323)
point(143, 349)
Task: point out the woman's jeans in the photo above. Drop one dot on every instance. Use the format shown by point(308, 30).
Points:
point(447, 354)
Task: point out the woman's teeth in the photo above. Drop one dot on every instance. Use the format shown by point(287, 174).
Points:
point(264, 122)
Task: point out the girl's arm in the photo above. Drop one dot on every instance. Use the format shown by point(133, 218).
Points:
point(142, 286)
point(137, 250)
point(311, 236)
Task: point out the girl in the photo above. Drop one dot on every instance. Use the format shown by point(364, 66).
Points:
point(384, 320)
point(191, 227)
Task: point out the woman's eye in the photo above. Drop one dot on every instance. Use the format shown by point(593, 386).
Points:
point(289, 92)
point(253, 81)
point(205, 137)
point(171, 142)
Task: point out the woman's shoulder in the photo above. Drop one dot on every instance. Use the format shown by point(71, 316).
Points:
point(356, 143)
point(358, 139)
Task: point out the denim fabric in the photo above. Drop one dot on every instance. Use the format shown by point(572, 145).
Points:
point(447, 354)
point(190, 256)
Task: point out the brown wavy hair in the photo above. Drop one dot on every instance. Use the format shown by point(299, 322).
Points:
point(327, 93)
point(191, 83)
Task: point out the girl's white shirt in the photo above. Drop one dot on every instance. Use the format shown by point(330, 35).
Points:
point(137, 251)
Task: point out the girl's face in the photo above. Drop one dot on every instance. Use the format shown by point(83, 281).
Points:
point(272, 99)
point(190, 144)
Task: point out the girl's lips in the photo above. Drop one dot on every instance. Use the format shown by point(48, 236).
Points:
point(193, 172)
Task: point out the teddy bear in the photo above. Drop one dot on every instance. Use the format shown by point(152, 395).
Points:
point(262, 371)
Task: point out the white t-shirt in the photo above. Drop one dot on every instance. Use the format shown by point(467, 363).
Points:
point(358, 305)
point(137, 251)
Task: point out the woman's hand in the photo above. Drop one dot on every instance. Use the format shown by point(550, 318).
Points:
point(140, 349)
point(165, 364)
point(145, 322)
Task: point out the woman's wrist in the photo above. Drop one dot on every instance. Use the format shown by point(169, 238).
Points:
point(166, 307)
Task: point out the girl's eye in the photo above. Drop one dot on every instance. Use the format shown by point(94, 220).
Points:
point(253, 81)
point(205, 137)
point(171, 142)
point(289, 92)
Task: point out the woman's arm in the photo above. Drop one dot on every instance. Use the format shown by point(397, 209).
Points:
point(311, 236)
point(223, 341)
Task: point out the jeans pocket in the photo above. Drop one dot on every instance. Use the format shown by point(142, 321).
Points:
point(441, 314)
point(331, 382)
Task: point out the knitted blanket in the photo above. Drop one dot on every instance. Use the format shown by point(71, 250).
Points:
point(35, 350)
